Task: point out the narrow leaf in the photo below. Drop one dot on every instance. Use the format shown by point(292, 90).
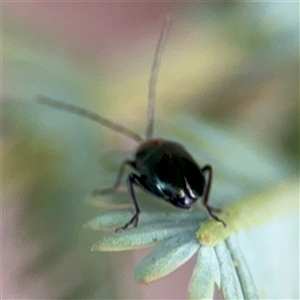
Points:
point(117, 218)
point(108, 202)
point(166, 257)
point(109, 220)
point(245, 278)
point(205, 275)
point(229, 280)
point(142, 236)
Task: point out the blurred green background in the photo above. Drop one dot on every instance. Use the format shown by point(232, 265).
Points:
point(233, 65)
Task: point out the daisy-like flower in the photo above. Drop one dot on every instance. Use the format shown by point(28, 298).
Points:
point(178, 235)
point(176, 242)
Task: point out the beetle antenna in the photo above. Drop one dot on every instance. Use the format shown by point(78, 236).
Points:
point(90, 115)
point(154, 74)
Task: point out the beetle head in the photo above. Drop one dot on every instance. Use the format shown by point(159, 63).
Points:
point(183, 199)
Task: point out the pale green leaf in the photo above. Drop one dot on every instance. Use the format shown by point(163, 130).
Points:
point(245, 278)
point(109, 220)
point(109, 201)
point(143, 236)
point(167, 257)
point(229, 280)
point(117, 218)
point(205, 275)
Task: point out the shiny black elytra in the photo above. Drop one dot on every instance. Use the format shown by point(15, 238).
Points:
point(162, 168)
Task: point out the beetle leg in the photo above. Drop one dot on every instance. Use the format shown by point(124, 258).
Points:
point(117, 184)
point(132, 178)
point(210, 209)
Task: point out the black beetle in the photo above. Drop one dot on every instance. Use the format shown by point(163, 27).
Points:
point(165, 169)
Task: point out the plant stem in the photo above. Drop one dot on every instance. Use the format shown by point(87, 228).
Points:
point(252, 211)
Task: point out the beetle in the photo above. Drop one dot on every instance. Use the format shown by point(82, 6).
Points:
point(161, 167)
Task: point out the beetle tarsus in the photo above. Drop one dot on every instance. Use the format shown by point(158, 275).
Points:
point(210, 210)
point(133, 221)
point(216, 210)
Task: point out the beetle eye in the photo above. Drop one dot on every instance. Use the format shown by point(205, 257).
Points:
point(183, 202)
